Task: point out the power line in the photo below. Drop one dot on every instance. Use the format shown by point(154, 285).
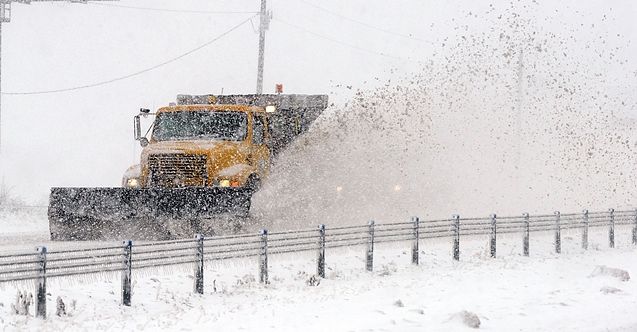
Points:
point(366, 24)
point(168, 10)
point(343, 43)
point(135, 73)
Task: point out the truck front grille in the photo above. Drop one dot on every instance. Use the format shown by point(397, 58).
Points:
point(177, 170)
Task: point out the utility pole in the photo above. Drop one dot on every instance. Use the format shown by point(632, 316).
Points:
point(5, 17)
point(520, 105)
point(264, 24)
point(519, 123)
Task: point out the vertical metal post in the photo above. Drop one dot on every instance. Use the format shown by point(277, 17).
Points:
point(493, 243)
point(456, 237)
point(320, 260)
point(199, 264)
point(263, 257)
point(40, 284)
point(369, 261)
point(263, 25)
point(585, 231)
point(527, 231)
point(558, 233)
point(635, 229)
point(414, 246)
point(611, 228)
point(127, 273)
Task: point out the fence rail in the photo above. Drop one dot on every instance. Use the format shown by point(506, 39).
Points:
point(41, 264)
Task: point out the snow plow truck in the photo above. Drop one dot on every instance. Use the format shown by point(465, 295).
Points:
point(203, 157)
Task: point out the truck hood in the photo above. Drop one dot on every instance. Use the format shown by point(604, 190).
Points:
point(194, 147)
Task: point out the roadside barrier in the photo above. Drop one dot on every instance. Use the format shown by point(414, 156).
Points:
point(43, 264)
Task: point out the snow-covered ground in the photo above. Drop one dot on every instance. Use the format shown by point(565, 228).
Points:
point(22, 227)
point(544, 292)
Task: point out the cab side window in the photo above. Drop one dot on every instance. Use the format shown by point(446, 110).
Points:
point(258, 132)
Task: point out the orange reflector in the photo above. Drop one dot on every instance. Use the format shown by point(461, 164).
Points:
point(235, 184)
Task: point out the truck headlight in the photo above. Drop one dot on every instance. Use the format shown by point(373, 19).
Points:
point(132, 183)
point(224, 183)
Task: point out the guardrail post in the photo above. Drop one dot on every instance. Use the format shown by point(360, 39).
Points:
point(199, 264)
point(456, 237)
point(585, 231)
point(527, 231)
point(611, 229)
point(40, 305)
point(263, 257)
point(635, 228)
point(320, 260)
point(369, 261)
point(493, 242)
point(127, 273)
point(414, 246)
point(558, 233)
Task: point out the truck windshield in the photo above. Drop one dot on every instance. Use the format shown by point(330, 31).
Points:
point(213, 125)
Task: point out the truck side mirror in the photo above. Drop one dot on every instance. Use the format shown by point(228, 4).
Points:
point(143, 141)
point(138, 128)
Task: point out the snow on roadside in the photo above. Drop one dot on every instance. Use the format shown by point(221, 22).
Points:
point(23, 225)
point(544, 292)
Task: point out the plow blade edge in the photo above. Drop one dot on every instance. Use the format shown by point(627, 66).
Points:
point(122, 213)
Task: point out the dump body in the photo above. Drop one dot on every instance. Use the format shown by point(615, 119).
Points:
point(205, 157)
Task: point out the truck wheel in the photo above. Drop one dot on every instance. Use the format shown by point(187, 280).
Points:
point(243, 205)
point(253, 184)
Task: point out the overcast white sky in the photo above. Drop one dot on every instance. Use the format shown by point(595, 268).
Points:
point(84, 137)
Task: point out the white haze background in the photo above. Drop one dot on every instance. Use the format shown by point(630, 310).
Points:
point(432, 115)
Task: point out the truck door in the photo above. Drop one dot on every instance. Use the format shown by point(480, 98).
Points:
point(260, 149)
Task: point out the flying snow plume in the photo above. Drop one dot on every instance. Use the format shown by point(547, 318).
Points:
point(516, 112)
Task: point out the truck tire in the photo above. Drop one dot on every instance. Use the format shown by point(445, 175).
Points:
point(243, 206)
point(253, 184)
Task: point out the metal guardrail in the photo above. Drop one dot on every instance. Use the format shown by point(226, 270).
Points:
point(41, 264)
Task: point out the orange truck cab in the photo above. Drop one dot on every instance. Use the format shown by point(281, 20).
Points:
point(220, 146)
